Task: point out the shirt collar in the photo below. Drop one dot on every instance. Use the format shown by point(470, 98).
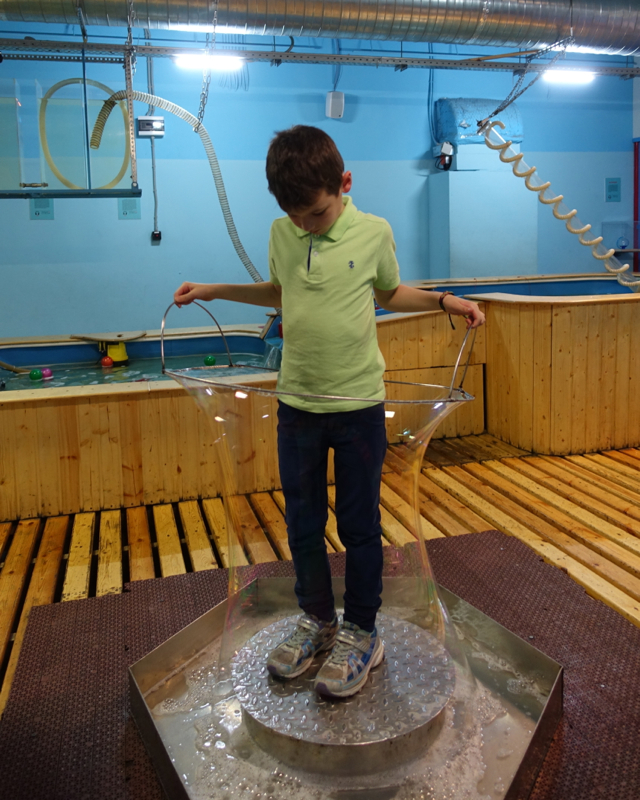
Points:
point(339, 227)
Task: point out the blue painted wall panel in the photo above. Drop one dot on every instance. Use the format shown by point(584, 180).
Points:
point(86, 271)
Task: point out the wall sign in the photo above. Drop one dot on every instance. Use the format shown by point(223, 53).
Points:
point(612, 190)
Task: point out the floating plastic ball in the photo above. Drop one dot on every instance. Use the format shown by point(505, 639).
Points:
point(47, 375)
point(209, 361)
point(35, 375)
point(107, 361)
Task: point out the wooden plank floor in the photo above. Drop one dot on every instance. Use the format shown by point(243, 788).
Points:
point(579, 513)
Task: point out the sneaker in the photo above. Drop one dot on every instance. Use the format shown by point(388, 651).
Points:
point(295, 654)
point(346, 669)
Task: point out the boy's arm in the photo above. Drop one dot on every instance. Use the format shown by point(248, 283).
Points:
point(406, 298)
point(256, 294)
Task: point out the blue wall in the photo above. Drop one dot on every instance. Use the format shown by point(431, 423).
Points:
point(88, 271)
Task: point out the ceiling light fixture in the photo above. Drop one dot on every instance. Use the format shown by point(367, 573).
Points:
point(568, 76)
point(216, 63)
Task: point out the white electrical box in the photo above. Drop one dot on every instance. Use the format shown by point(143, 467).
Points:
point(444, 149)
point(150, 126)
point(335, 105)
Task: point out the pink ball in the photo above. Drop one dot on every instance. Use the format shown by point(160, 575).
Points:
point(47, 374)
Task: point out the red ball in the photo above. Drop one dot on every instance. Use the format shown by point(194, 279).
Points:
point(107, 361)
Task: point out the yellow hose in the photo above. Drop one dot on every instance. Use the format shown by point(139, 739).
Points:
point(101, 121)
point(45, 145)
point(503, 148)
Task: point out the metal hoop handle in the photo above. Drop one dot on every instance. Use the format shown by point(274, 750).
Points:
point(466, 366)
point(193, 302)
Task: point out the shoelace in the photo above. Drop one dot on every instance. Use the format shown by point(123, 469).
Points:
point(345, 643)
point(303, 632)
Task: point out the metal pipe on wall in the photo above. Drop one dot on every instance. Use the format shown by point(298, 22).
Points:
point(605, 26)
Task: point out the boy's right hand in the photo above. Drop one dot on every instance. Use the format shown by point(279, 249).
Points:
point(189, 292)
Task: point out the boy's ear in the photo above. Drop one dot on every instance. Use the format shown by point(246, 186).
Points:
point(347, 182)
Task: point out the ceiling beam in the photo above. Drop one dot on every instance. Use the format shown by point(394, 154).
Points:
point(40, 50)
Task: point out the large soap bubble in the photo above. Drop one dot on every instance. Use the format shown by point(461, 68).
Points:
point(424, 667)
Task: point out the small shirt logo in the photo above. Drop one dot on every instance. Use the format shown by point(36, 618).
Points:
point(351, 265)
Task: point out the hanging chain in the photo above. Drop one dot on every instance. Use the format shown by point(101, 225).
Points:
point(204, 93)
point(515, 93)
point(131, 17)
point(210, 44)
point(81, 20)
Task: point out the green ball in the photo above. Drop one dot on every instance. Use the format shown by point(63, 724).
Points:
point(35, 375)
point(209, 361)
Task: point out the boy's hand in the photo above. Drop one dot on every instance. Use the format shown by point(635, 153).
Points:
point(472, 314)
point(189, 292)
point(463, 308)
point(408, 299)
point(257, 294)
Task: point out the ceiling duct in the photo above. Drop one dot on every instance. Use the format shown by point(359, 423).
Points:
point(605, 26)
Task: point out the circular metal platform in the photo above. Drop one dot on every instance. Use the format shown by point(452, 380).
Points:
point(393, 719)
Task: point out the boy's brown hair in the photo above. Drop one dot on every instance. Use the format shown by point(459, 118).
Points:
point(300, 163)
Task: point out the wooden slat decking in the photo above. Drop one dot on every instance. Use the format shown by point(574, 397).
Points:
point(580, 513)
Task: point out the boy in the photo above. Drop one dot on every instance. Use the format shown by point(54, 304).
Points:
point(325, 260)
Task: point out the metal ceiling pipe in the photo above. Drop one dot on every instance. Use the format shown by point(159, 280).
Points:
point(606, 26)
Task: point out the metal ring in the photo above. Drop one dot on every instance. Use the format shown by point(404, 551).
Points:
point(231, 364)
point(194, 302)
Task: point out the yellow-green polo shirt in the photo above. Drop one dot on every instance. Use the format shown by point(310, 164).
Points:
point(330, 344)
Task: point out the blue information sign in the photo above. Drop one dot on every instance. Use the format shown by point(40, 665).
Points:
point(40, 208)
point(128, 208)
point(612, 190)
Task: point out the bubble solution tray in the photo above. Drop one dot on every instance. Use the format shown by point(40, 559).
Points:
point(413, 733)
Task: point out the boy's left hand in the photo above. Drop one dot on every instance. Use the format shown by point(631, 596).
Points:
point(405, 299)
point(473, 317)
point(465, 308)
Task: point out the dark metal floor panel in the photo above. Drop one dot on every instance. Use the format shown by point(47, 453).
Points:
point(67, 735)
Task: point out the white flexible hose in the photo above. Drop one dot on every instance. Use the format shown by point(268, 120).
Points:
point(159, 102)
point(560, 211)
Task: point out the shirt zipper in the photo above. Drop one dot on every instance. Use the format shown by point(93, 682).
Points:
point(309, 256)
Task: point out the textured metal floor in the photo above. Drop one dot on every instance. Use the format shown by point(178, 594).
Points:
point(580, 513)
point(67, 735)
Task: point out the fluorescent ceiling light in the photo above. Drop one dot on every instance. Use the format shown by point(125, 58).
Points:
point(190, 28)
point(593, 51)
point(574, 76)
point(216, 63)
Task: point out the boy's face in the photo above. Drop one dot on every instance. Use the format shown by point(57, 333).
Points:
point(323, 212)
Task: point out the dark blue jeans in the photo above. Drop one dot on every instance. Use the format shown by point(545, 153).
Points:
point(359, 442)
